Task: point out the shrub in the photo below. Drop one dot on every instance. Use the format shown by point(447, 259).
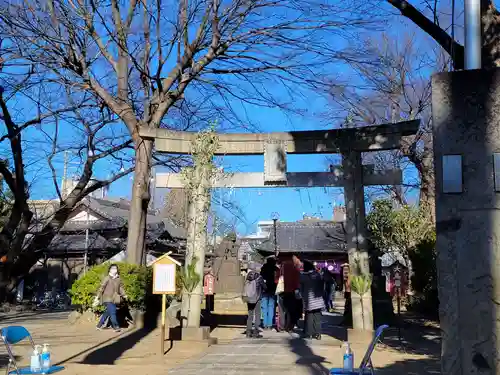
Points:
point(424, 280)
point(136, 282)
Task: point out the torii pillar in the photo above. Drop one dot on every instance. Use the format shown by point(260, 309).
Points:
point(356, 235)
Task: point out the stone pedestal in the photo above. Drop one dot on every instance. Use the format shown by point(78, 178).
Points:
point(229, 303)
point(362, 312)
point(227, 270)
point(466, 120)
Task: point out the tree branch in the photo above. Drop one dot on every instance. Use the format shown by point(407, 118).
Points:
point(454, 49)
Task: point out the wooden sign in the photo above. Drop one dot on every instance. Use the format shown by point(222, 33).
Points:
point(164, 275)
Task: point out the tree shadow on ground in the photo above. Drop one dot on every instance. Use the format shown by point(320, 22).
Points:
point(416, 338)
point(4, 360)
point(107, 355)
point(331, 325)
point(223, 321)
point(412, 367)
point(306, 357)
point(15, 317)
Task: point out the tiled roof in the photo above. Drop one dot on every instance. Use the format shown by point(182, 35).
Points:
point(307, 236)
point(76, 242)
point(115, 213)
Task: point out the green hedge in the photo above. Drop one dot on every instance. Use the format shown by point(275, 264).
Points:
point(136, 281)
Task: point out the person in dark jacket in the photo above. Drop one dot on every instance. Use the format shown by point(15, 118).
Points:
point(290, 270)
point(312, 289)
point(268, 302)
point(252, 295)
point(329, 292)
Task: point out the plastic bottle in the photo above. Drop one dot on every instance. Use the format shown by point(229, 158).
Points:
point(45, 357)
point(35, 364)
point(348, 357)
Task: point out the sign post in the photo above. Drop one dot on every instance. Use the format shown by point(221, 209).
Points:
point(397, 285)
point(164, 276)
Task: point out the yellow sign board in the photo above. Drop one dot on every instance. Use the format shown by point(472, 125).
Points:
point(164, 271)
point(164, 275)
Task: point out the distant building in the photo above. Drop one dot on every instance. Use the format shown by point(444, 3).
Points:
point(68, 184)
point(247, 251)
point(97, 230)
point(320, 241)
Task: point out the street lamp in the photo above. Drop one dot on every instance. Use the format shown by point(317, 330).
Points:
point(275, 216)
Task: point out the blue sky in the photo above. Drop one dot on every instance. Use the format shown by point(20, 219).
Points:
point(256, 204)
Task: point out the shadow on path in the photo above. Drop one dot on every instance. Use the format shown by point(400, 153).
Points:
point(32, 316)
point(417, 338)
point(107, 355)
point(307, 358)
point(4, 360)
point(428, 366)
point(331, 325)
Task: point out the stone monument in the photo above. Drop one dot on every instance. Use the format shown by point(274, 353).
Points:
point(228, 280)
point(466, 118)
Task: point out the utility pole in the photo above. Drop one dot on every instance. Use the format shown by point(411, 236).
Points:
point(473, 42)
point(85, 256)
point(152, 183)
point(65, 175)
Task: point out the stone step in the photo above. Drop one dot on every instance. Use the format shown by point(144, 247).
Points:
point(285, 340)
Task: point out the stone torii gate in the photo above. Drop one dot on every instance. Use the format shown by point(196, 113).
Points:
point(351, 175)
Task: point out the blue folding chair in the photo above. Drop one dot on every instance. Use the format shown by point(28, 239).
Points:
point(11, 336)
point(366, 366)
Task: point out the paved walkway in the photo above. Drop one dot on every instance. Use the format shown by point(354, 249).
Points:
point(275, 353)
point(85, 351)
point(285, 353)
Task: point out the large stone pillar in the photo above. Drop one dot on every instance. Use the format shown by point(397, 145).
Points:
point(362, 317)
point(466, 118)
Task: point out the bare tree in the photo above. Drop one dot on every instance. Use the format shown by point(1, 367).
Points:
point(41, 121)
point(445, 37)
point(394, 85)
point(176, 207)
point(226, 213)
point(143, 59)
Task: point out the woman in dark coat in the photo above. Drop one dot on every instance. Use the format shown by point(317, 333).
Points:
point(311, 289)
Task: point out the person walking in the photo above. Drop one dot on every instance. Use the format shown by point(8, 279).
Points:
point(290, 271)
point(280, 310)
point(312, 291)
point(252, 294)
point(329, 282)
point(268, 272)
point(111, 293)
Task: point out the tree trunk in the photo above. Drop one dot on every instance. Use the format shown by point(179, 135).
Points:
point(141, 196)
point(197, 241)
point(427, 185)
point(425, 167)
point(12, 272)
point(424, 163)
point(409, 286)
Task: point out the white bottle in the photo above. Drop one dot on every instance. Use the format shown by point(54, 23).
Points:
point(348, 357)
point(35, 364)
point(45, 358)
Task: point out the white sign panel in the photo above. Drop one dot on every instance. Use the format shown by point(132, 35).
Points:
point(275, 162)
point(164, 281)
